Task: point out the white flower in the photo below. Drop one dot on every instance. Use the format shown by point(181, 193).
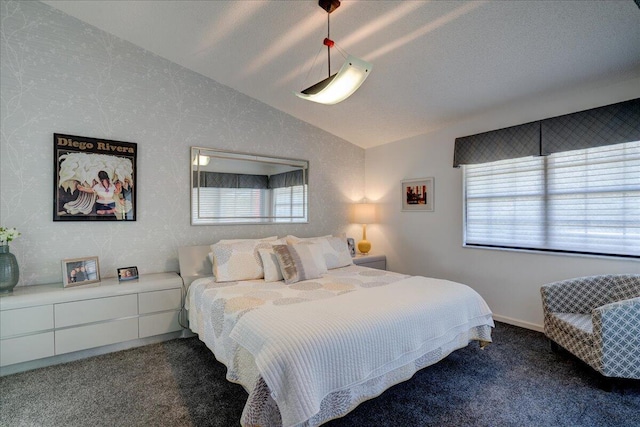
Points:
point(8, 234)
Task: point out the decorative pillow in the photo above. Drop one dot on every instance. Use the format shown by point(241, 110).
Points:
point(300, 262)
point(335, 250)
point(270, 265)
point(238, 260)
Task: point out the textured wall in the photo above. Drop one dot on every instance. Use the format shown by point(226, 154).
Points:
point(430, 243)
point(59, 74)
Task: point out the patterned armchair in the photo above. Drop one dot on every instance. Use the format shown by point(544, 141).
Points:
point(597, 319)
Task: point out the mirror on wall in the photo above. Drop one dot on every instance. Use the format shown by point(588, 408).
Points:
point(240, 188)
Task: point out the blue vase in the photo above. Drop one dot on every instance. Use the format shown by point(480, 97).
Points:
point(9, 271)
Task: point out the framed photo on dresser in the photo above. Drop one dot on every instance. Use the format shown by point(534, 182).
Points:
point(127, 273)
point(80, 271)
point(351, 243)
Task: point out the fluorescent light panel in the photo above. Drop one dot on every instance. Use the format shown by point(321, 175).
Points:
point(341, 85)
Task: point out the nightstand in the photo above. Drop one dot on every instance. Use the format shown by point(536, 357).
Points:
point(372, 261)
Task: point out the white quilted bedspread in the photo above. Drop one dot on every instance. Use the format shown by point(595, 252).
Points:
point(306, 351)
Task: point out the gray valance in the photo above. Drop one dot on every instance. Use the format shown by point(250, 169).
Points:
point(234, 180)
point(507, 143)
point(611, 124)
point(287, 179)
point(230, 180)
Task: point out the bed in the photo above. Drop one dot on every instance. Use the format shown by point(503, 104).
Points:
point(311, 351)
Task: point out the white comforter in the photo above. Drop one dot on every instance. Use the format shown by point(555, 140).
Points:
point(215, 309)
point(306, 351)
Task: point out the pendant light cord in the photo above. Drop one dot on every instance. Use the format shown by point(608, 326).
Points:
point(329, 47)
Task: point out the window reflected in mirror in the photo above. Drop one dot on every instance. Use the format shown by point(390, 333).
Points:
point(240, 188)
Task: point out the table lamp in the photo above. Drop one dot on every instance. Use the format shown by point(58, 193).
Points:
point(364, 213)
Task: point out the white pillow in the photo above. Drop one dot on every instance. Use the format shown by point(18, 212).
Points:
point(238, 260)
point(272, 239)
point(300, 262)
point(292, 240)
point(335, 250)
point(270, 265)
point(262, 239)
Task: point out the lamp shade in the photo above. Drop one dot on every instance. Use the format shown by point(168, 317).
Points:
point(341, 85)
point(364, 213)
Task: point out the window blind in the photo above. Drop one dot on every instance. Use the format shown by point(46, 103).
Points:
point(289, 204)
point(228, 204)
point(581, 201)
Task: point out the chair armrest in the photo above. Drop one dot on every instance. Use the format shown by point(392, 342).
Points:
point(616, 330)
point(580, 295)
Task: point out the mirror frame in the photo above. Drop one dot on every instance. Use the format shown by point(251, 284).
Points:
point(194, 166)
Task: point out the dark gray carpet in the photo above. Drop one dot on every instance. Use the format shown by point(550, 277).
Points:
point(516, 381)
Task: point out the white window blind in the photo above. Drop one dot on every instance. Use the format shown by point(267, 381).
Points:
point(236, 204)
point(583, 201)
point(289, 204)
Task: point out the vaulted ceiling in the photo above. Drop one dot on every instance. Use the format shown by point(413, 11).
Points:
point(434, 62)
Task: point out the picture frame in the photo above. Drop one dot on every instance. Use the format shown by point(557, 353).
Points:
point(93, 179)
point(127, 273)
point(418, 195)
point(80, 271)
point(351, 243)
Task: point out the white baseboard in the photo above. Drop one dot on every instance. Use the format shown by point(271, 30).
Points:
point(520, 323)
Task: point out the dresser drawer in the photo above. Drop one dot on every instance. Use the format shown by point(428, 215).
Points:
point(151, 302)
point(24, 349)
point(95, 310)
point(26, 320)
point(96, 335)
point(159, 323)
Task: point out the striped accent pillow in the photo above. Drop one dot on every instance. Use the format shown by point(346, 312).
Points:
point(300, 262)
point(335, 250)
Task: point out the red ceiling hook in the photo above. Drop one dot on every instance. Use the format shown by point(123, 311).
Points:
point(328, 42)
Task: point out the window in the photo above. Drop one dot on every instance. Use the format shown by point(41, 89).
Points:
point(289, 203)
point(237, 205)
point(230, 205)
point(583, 201)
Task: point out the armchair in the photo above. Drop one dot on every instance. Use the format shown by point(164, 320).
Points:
point(597, 318)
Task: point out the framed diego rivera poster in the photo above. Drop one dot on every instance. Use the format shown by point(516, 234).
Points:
point(94, 179)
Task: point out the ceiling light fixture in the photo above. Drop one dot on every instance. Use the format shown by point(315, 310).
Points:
point(345, 82)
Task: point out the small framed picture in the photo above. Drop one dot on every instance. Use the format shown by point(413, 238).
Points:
point(127, 273)
point(80, 271)
point(418, 195)
point(352, 246)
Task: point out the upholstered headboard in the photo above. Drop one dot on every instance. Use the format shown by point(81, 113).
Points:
point(194, 263)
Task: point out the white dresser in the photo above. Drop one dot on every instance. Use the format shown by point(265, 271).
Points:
point(49, 321)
